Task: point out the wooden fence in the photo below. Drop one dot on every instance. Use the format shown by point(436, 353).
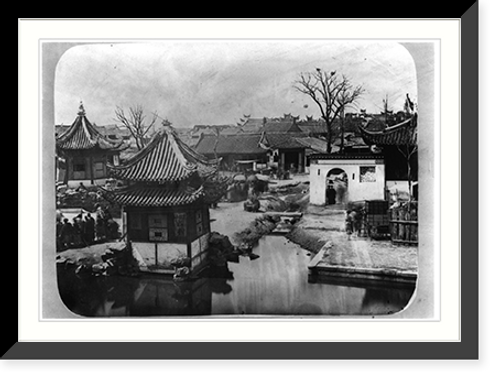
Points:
point(404, 224)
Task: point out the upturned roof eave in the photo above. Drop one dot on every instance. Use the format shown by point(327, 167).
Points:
point(91, 138)
point(384, 137)
point(137, 196)
point(172, 160)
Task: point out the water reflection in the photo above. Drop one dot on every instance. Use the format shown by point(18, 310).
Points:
point(276, 283)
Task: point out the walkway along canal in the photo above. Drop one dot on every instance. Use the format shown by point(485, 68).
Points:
point(273, 282)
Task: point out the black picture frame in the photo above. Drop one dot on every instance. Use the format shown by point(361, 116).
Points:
point(466, 348)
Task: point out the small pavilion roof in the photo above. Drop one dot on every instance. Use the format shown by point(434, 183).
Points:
point(158, 196)
point(166, 158)
point(82, 135)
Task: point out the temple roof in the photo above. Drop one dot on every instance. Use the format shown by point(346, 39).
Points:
point(251, 125)
point(313, 128)
point(313, 144)
point(166, 158)
point(229, 144)
point(82, 135)
point(281, 127)
point(283, 140)
point(158, 196)
point(404, 133)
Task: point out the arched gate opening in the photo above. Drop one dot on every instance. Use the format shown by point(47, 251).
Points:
point(336, 187)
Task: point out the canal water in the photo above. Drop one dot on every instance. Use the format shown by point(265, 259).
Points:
point(273, 284)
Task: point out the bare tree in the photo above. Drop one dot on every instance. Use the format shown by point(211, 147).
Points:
point(408, 150)
point(411, 147)
point(332, 93)
point(135, 122)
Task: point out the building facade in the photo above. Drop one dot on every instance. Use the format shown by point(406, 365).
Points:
point(236, 152)
point(399, 146)
point(341, 178)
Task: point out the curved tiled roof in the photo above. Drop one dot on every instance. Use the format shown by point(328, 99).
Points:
point(230, 144)
point(281, 127)
point(166, 158)
point(155, 196)
point(82, 135)
point(272, 140)
point(404, 133)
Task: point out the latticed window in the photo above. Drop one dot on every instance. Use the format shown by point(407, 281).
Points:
point(199, 222)
point(78, 165)
point(180, 224)
point(157, 227)
point(367, 174)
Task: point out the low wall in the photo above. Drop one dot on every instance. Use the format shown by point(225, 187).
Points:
point(306, 239)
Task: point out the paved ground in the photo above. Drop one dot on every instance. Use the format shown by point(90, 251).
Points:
point(229, 218)
point(352, 251)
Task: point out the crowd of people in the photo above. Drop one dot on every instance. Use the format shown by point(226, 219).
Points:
point(85, 230)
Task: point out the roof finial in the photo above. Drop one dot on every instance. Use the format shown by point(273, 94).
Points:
point(167, 125)
point(81, 109)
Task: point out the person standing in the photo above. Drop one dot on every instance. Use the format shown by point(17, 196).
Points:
point(89, 229)
point(100, 229)
point(348, 222)
point(66, 234)
point(77, 231)
point(59, 226)
point(355, 222)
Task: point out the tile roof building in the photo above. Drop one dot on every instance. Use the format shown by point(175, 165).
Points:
point(250, 125)
point(234, 151)
point(85, 152)
point(166, 203)
point(393, 141)
point(404, 133)
point(282, 127)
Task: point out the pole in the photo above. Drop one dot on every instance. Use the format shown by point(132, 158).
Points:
point(342, 130)
point(91, 161)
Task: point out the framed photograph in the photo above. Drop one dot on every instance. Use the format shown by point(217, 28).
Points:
point(324, 249)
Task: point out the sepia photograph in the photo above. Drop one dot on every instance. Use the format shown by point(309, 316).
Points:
point(237, 178)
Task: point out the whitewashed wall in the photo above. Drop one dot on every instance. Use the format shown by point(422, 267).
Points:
point(356, 190)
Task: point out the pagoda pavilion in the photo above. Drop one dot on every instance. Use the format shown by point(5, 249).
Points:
point(166, 202)
point(86, 152)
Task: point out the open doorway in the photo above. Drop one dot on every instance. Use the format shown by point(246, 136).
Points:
point(336, 187)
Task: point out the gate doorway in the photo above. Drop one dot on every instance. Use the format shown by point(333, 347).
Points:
point(336, 187)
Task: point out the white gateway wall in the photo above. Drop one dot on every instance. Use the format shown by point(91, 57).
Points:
point(359, 186)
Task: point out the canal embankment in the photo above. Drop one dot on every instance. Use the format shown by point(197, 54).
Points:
point(321, 231)
point(339, 255)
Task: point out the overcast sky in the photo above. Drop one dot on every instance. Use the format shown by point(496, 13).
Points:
point(216, 82)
